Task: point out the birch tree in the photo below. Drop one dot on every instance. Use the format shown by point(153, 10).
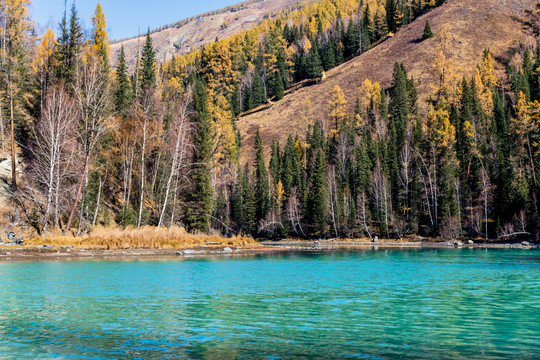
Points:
point(92, 96)
point(53, 149)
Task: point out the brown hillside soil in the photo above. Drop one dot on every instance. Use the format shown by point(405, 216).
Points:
point(470, 27)
point(200, 31)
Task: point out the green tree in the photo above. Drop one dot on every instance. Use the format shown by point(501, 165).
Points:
point(123, 85)
point(315, 68)
point(318, 195)
point(200, 198)
point(427, 31)
point(262, 188)
point(148, 71)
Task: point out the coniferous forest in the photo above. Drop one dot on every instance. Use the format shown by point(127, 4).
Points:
point(94, 142)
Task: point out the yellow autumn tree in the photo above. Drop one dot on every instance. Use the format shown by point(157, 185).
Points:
point(524, 126)
point(483, 93)
point(99, 34)
point(44, 61)
point(446, 82)
point(338, 107)
point(440, 129)
point(487, 71)
point(224, 137)
point(370, 95)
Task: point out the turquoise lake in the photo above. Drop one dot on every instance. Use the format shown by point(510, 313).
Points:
point(384, 304)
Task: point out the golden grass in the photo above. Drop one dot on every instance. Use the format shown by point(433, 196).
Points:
point(471, 26)
point(143, 238)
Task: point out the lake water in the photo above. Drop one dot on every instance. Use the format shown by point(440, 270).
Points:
point(385, 304)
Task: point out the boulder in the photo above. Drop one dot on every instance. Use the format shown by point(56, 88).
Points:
point(525, 243)
point(470, 242)
point(227, 250)
point(458, 243)
point(376, 239)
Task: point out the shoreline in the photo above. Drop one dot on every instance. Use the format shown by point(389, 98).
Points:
point(36, 253)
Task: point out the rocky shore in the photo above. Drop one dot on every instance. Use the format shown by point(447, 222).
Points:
point(10, 251)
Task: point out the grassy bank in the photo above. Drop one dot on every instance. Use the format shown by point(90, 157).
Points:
point(143, 238)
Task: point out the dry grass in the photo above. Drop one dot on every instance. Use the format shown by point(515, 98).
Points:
point(144, 238)
point(472, 25)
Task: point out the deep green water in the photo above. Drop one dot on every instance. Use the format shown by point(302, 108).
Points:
point(376, 304)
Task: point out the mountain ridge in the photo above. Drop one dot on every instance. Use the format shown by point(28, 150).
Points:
point(200, 30)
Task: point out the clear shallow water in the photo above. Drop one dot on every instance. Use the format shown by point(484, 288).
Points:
point(369, 305)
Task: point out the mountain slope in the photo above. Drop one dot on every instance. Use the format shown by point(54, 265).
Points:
point(498, 25)
point(200, 30)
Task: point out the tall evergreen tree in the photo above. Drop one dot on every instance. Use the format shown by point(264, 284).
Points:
point(148, 59)
point(315, 68)
point(318, 195)
point(200, 198)
point(391, 14)
point(352, 39)
point(123, 86)
point(262, 189)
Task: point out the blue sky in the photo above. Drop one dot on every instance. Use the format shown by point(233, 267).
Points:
point(125, 17)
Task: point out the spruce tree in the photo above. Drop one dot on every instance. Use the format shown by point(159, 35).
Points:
point(200, 198)
point(262, 190)
point(123, 86)
point(258, 94)
point(275, 159)
point(69, 47)
point(352, 39)
point(391, 12)
point(148, 71)
point(76, 40)
point(329, 59)
point(315, 68)
point(318, 195)
point(62, 49)
point(427, 31)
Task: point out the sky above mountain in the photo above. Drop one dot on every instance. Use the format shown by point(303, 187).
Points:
point(124, 17)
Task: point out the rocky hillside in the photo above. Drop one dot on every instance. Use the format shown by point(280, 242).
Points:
point(201, 30)
point(465, 29)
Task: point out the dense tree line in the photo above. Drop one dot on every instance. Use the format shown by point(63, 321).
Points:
point(159, 145)
point(258, 65)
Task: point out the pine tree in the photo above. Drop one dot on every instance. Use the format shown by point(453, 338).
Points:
point(329, 58)
point(275, 160)
point(427, 31)
point(69, 47)
point(62, 49)
point(318, 195)
point(76, 40)
point(200, 198)
point(314, 66)
point(391, 12)
point(262, 190)
point(148, 71)
point(123, 86)
point(258, 94)
point(17, 22)
point(352, 39)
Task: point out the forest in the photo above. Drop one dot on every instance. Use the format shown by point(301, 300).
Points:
point(158, 145)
